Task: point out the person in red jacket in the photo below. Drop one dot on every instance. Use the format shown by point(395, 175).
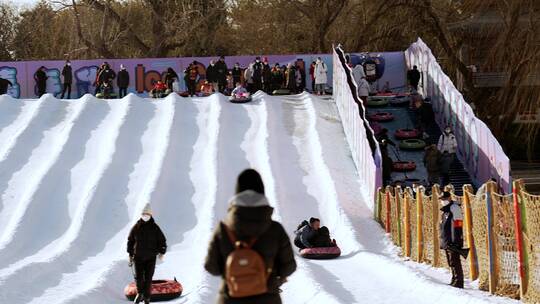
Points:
point(312, 75)
point(159, 90)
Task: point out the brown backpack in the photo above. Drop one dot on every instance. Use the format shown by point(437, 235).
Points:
point(246, 274)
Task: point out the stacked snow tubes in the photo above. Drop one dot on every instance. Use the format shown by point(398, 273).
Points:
point(381, 117)
point(281, 92)
point(400, 101)
point(377, 102)
point(404, 166)
point(412, 144)
point(407, 133)
point(321, 253)
point(162, 290)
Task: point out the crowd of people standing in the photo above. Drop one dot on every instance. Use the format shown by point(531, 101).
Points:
point(216, 77)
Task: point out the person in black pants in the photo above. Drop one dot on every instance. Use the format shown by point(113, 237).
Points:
point(122, 80)
point(67, 73)
point(414, 77)
point(41, 81)
point(145, 242)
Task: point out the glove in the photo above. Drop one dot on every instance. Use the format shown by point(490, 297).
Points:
point(130, 261)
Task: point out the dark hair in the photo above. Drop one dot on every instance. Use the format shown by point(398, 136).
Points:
point(249, 179)
point(414, 67)
point(313, 220)
point(324, 231)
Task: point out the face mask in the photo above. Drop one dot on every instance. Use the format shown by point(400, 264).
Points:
point(258, 61)
point(447, 131)
point(145, 217)
point(68, 64)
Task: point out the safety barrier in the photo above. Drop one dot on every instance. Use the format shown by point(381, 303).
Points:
point(502, 232)
point(364, 147)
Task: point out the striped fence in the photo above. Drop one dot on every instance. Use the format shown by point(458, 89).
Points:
point(502, 232)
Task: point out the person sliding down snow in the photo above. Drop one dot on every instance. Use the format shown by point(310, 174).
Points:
point(145, 242)
point(306, 233)
point(159, 90)
point(239, 91)
point(322, 238)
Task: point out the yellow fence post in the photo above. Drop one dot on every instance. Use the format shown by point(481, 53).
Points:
point(407, 221)
point(473, 262)
point(419, 223)
point(492, 248)
point(435, 225)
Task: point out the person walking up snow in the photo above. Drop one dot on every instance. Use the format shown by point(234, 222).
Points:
point(320, 76)
point(451, 237)
point(145, 242)
point(251, 252)
point(67, 73)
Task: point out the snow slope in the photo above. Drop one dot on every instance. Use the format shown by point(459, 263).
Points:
point(74, 176)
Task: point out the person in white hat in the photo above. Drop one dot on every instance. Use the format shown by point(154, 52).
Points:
point(145, 242)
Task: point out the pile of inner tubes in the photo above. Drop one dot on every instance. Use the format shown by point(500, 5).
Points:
point(400, 101)
point(321, 253)
point(377, 102)
point(412, 144)
point(403, 166)
point(162, 290)
point(281, 92)
point(381, 117)
point(407, 133)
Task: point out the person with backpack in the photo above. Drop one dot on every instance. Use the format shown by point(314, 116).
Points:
point(145, 242)
point(306, 233)
point(451, 237)
point(67, 73)
point(251, 252)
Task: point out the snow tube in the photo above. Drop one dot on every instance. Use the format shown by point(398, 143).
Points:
point(281, 92)
point(381, 116)
point(400, 101)
point(162, 290)
point(184, 94)
point(240, 99)
point(407, 133)
point(377, 102)
point(321, 253)
point(412, 144)
point(386, 94)
point(403, 166)
point(102, 96)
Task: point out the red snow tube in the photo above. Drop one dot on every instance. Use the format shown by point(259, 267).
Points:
point(407, 133)
point(321, 253)
point(162, 290)
point(381, 116)
point(377, 128)
point(404, 166)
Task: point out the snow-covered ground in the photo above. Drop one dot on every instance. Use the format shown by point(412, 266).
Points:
point(74, 176)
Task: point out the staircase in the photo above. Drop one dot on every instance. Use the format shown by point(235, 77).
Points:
point(529, 172)
point(458, 176)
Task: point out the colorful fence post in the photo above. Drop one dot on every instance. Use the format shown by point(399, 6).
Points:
point(492, 251)
point(520, 219)
point(435, 192)
point(419, 224)
point(407, 221)
point(377, 209)
point(398, 194)
point(467, 211)
point(387, 202)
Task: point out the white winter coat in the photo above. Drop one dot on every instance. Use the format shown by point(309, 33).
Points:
point(447, 143)
point(363, 87)
point(320, 73)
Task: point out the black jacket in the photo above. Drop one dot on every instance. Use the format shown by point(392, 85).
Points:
point(107, 76)
point(146, 240)
point(4, 85)
point(211, 73)
point(221, 71)
point(267, 74)
point(170, 78)
point(413, 76)
point(41, 78)
point(450, 230)
point(272, 243)
point(123, 79)
point(67, 72)
point(257, 71)
point(237, 74)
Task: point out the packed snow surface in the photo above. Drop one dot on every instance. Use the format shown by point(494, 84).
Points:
point(75, 175)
